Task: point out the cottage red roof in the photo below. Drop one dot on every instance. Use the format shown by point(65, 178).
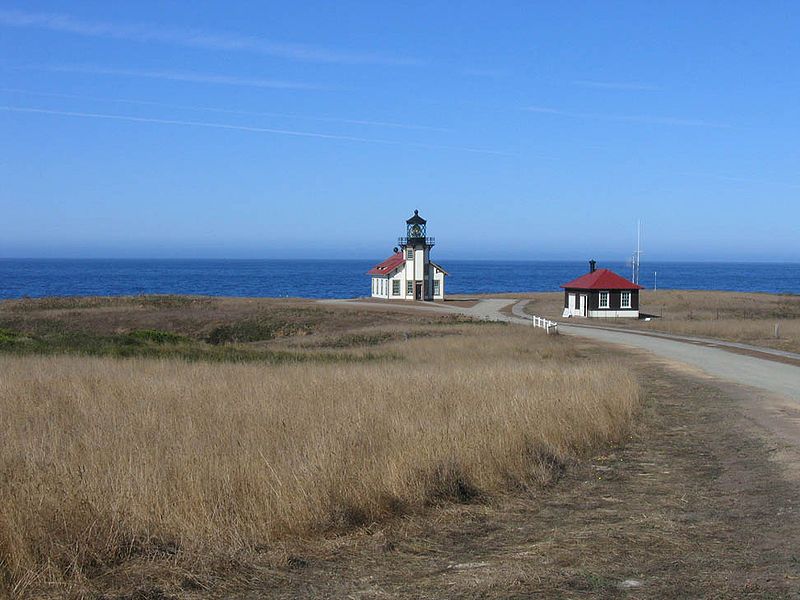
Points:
point(387, 266)
point(602, 279)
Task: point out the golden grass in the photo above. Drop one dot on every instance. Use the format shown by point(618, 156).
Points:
point(734, 316)
point(102, 459)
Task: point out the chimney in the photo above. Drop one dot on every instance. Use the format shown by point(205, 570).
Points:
point(592, 266)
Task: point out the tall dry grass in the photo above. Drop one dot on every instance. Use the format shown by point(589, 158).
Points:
point(104, 459)
point(760, 332)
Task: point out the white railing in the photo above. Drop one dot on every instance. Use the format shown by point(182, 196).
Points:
point(547, 325)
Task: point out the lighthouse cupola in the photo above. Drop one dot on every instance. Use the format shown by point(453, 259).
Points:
point(416, 234)
point(415, 227)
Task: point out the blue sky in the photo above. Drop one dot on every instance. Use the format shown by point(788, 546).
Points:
point(520, 130)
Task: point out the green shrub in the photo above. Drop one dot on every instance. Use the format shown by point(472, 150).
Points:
point(255, 330)
point(157, 336)
point(8, 337)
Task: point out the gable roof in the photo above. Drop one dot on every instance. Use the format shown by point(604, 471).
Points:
point(389, 265)
point(440, 267)
point(602, 279)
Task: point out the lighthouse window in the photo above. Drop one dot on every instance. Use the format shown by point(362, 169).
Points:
point(409, 253)
point(604, 296)
point(410, 288)
point(395, 287)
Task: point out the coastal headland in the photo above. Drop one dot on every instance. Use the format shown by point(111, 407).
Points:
point(195, 447)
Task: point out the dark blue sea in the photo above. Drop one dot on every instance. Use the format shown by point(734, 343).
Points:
point(347, 279)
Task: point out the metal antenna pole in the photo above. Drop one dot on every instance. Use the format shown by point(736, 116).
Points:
point(638, 248)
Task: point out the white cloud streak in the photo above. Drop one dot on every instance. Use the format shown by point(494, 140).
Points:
point(616, 85)
point(285, 132)
point(645, 119)
point(488, 73)
point(185, 76)
point(192, 38)
point(231, 111)
point(745, 180)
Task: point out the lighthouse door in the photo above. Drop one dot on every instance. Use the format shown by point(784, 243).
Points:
point(418, 292)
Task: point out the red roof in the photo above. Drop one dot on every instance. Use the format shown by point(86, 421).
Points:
point(602, 279)
point(387, 266)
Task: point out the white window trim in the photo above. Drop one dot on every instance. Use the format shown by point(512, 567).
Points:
point(600, 299)
point(622, 303)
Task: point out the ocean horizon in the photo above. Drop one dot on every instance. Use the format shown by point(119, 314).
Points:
point(325, 278)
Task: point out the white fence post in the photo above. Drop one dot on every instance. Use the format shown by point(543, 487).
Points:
point(545, 324)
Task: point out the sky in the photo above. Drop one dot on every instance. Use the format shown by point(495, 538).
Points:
point(520, 130)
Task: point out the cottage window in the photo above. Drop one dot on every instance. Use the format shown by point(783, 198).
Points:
point(604, 300)
point(625, 300)
point(410, 288)
point(436, 287)
point(395, 287)
point(409, 253)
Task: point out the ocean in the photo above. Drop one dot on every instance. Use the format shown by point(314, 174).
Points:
point(347, 278)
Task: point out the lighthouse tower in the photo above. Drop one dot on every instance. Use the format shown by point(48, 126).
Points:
point(409, 274)
point(416, 248)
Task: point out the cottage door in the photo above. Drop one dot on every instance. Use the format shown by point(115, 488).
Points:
point(583, 305)
point(571, 304)
point(418, 293)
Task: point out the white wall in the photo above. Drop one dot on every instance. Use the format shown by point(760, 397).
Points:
point(398, 275)
point(382, 284)
point(614, 313)
point(380, 287)
point(413, 269)
point(420, 261)
point(437, 275)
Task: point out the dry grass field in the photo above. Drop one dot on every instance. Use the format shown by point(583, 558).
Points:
point(735, 316)
point(290, 422)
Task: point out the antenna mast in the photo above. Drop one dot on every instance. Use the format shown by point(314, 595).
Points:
point(637, 256)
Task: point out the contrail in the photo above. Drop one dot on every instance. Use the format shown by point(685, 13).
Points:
point(305, 134)
point(184, 76)
point(150, 33)
point(231, 111)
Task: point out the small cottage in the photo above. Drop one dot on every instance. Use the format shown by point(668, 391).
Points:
point(410, 274)
point(601, 293)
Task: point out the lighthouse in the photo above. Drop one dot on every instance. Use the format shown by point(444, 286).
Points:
point(410, 274)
